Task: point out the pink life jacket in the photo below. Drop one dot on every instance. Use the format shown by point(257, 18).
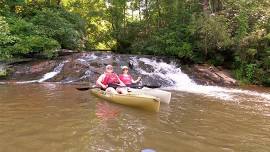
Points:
point(126, 79)
point(110, 78)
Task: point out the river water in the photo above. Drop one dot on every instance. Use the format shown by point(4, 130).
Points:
point(53, 117)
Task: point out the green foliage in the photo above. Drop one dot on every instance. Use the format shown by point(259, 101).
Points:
point(36, 44)
point(3, 73)
point(6, 39)
point(185, 51)
point(250, 71)
point(242, 29)
point(54, 23)
point(266, 82)
point(98, 26)
point(41, 29)
point(213, 34)
point(165, 42)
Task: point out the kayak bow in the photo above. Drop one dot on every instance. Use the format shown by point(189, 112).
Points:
point(164, 96)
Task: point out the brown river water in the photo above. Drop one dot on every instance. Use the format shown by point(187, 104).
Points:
point(58, 118)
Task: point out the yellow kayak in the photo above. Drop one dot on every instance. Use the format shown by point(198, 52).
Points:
point(146, 102)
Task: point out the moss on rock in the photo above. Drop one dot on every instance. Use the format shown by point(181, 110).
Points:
point(3, 71)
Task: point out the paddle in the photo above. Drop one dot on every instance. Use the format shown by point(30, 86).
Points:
point(132, 86)
point(141, 86)
point(86, 88)
point(152, 86)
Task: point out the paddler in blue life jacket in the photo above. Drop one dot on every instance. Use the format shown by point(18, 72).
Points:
point(110, 82)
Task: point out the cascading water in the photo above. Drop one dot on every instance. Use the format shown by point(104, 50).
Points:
point(52, 74)
point(47, 76)
point(84, 60)
point(181, 82)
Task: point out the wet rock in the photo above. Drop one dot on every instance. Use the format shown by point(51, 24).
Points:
point(95, 64)
point(70, 71)
point(86, 67)
point(146, 67)
point(210, 75)
point(31, 70)
point(65, 52)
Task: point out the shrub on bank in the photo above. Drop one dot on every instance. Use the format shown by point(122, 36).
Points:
point(28, 30)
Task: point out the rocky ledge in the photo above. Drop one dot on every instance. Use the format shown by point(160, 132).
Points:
point(86, 67)
point(205, 74)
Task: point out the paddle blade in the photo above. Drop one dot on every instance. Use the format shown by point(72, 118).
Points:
point(152, 86)
point(83, 89)
point(141, 86)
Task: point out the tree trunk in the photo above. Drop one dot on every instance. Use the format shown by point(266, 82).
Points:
point(48, 2)
point(206, 6)
point(146, 9)
point(124, 19)
point(132, 13)
point(58, 2)
point(216, 5)
point(212, 6)
point(205, 47)
point(34, 2)
point(159, 14)
point(146, 17)
point(140, 13)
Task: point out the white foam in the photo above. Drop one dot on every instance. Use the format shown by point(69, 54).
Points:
point(25, 82)
point(52, 74)
point(181, 82)
point(47, 76)
point(86, 58)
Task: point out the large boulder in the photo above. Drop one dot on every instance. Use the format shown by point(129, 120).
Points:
point(209, 75)
point(31, 70)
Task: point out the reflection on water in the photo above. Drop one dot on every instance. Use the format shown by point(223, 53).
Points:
point(53, 117)
point(105, 112)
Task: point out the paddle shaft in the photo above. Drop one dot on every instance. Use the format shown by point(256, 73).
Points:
point(116, 86)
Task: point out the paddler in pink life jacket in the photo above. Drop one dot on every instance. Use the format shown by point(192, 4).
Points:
point(108, 79)
point(126, 78)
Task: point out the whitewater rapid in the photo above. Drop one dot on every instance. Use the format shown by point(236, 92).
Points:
point(181, 82)
point(48, 75)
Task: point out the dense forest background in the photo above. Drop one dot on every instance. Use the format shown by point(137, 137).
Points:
point(230, 33)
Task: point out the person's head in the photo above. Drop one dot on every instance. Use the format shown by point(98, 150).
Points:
point(124, 69)
point(109, 68)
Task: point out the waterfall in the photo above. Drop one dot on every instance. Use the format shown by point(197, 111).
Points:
point(47, 76)
point(179, 81)
point(52, 74)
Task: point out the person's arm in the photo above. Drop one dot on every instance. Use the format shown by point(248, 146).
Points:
point(136, 81)
point(99, 81)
